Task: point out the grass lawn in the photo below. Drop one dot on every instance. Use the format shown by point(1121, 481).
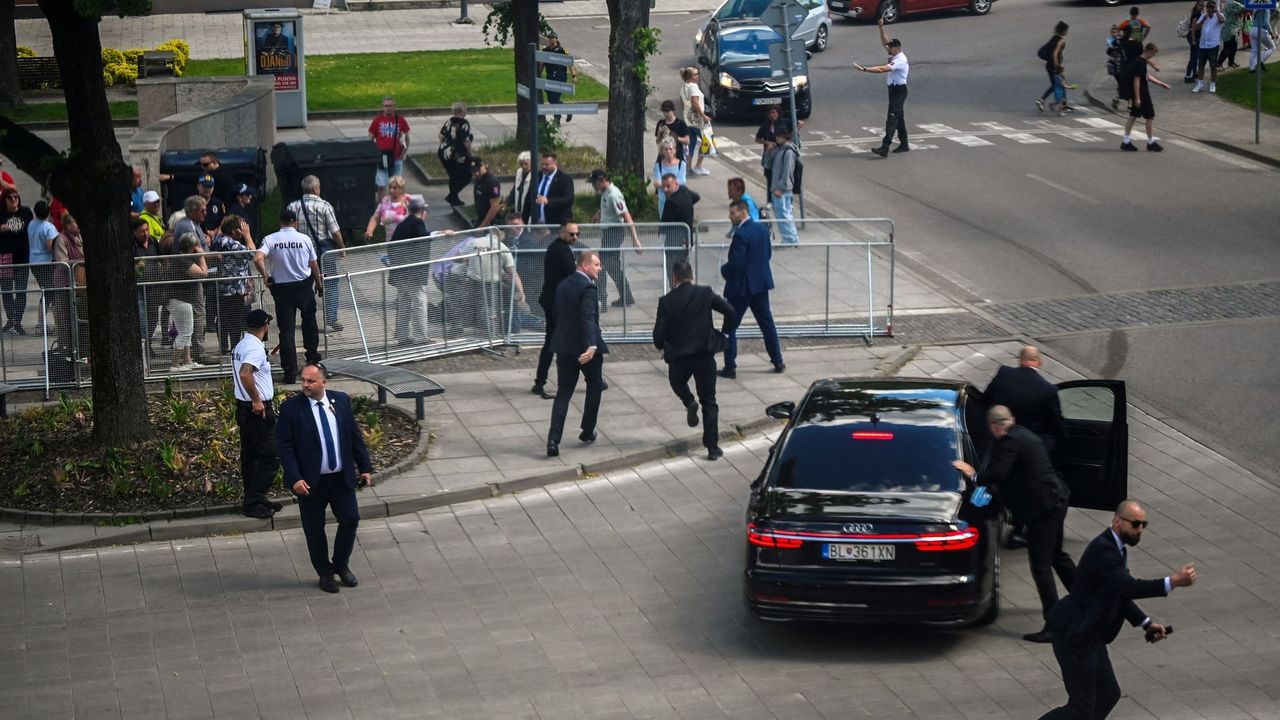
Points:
point(430, 78)
point(1240, 87)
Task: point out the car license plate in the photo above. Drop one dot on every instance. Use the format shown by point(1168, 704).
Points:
point(844, 551)
point(767, 101)
point(838, 5)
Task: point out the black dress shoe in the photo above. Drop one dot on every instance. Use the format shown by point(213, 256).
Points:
point(882, 151)
point(691, 414)
point(328, 584)
point(587, 437)
point(275, 506)
point(1043, 636)
point(1015, 541)
point(347, 577)
point(621, 303)
point(728, 373)
point(902, 148)
point(553, 449)
point(259, 511)
point(714, 453)
point(540, 390)
point(779, 368)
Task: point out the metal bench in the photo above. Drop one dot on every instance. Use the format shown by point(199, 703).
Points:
point(156, 63)
point(398, 381)
point(37, 73)
point(4, 398)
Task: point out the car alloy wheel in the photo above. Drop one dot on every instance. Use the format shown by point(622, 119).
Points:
point(889, 11)
point(982, 7)
point(820, 39)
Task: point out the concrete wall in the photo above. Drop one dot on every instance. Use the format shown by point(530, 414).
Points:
point(197, 113)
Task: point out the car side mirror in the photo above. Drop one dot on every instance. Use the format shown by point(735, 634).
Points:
point(704, 61)
point(781, 411)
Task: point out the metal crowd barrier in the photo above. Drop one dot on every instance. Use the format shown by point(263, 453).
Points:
point(452, 292)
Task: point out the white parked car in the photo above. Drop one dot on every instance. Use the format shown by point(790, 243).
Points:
point(815, 30)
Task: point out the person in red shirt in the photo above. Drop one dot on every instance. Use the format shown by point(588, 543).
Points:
point(7, 183)
point(390, 132)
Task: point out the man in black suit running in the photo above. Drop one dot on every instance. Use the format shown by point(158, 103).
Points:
point(579, 347)
point(1034, 401)
point(558, 263)
point(689, 343)
point(1036, 496)
point(1088, 619)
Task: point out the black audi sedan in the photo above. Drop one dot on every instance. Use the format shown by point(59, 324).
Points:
point(859, 516)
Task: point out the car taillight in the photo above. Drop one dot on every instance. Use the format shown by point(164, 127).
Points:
point(766, 539)
point(872, 435)
point(955, 540)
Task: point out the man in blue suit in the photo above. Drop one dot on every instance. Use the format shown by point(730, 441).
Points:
point(747, 282)
point(579, 347)
point(1102, 597)
point(323, 455)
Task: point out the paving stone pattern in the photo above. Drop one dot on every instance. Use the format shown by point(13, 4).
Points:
point(618, 597)
point(1141, 308)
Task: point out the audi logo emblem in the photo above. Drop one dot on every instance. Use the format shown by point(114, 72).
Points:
point(858, 528)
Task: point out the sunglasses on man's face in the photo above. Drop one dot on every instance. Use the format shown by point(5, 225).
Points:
point(1135, 524)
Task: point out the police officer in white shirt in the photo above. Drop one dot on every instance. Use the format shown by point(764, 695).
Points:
point(897, 67)
point(255, 416)
point(294, 274)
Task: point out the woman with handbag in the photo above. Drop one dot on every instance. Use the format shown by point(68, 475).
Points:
point(694, 109)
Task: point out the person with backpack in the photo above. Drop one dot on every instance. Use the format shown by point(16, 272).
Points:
point(1140, 98)
point(787, 172)
point(1051, 54)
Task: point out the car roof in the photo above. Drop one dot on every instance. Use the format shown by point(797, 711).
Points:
point(890, 399)
point(735, 24)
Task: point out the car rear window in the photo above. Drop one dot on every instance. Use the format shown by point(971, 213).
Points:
point(742, 8)
point(907, 447)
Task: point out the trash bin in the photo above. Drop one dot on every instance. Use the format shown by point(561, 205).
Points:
point(346, 170)
point(246, 165)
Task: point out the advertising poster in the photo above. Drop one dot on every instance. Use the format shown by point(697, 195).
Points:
point(276, 53)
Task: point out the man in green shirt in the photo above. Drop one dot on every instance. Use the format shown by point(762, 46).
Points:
point(613, 212)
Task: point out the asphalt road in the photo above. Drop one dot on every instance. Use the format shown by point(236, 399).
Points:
point(1010, 205)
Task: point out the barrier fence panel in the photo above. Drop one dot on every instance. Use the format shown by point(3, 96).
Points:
point(838, 281)
point(37, 302)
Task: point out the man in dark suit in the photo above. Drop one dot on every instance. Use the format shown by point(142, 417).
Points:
point(1034, 401)
point(324, 455)
point(689, 342)
point(579, 347)
point(557, 264)
point(1088, 619)
point(1029, 486)
point(747, 282)
point(551, 200)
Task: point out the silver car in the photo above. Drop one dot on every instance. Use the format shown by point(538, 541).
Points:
point(814, 30)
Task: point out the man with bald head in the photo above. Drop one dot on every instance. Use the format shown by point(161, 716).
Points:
point(1032, 491)
point(1034, 401)
point(1089, 618)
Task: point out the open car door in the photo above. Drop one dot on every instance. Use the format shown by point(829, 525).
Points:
point(1094, 455)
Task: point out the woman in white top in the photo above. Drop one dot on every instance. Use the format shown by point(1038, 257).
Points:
point(520, 188)
point(667, 162)
point(693, 107)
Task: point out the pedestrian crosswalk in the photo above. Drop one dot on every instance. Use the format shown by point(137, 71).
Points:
point(1083, 127)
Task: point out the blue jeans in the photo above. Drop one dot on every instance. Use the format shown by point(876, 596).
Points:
point(1059, 89)
point(785, 218)
point(759, 306)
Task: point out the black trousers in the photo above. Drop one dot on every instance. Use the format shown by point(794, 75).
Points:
point(258, 460)
point(545, 355)
point(702, 368)
point(1045, 555)
point(567, 369)
point(232, 310)
point(1228, 52)
point(896, 120)
point(1092, 690)
point(292, 298)
point(459, 178)
point(611, 263)
point(329, 491)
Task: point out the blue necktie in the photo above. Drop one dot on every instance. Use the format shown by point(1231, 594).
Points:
point(542, 190)
point(328, 436)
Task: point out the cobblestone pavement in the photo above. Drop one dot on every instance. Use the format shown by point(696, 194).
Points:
point(618, 597)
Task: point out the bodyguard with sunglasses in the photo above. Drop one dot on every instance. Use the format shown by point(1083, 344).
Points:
point(1089, 618)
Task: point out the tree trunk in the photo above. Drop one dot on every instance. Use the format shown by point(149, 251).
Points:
point(94, 182)
point(624, 149)
point(10, 85)
point(524, 30)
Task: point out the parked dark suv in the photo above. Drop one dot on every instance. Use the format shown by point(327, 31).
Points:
point(737, 79)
